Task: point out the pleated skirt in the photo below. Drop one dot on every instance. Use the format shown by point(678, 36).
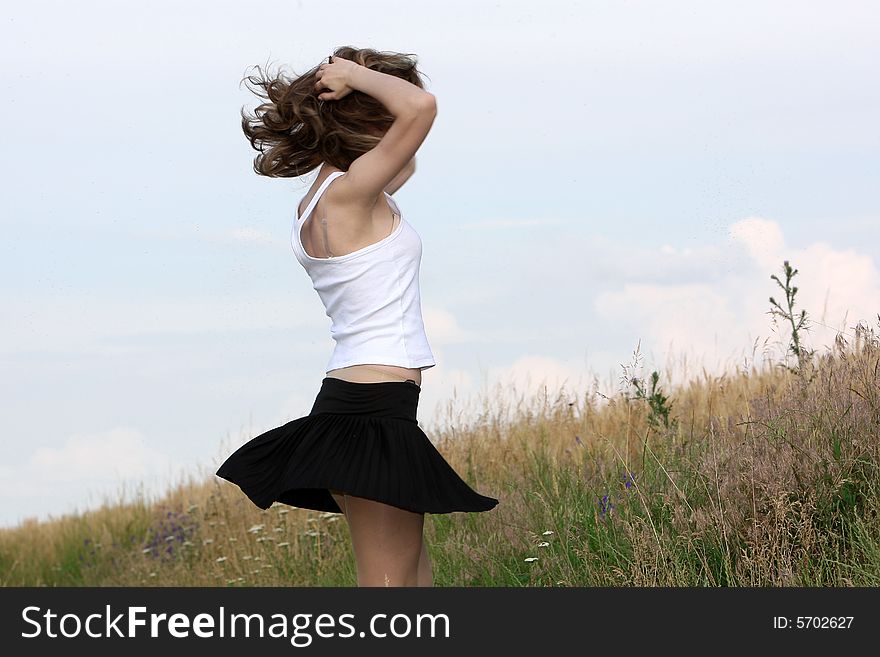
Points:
point(359, 438)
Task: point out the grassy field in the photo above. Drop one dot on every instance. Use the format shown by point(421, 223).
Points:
point(766, 477)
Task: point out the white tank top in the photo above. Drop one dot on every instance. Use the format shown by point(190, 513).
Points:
point(371, 296)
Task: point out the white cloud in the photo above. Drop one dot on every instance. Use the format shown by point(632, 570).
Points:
point(721, 319)
point(446, 392)
point(532, 375)
point(64, 477)
point(442, 327)
point(762, 238)
point(455, 399)
point(831, 283)
point(118, 452)
point(693, 317)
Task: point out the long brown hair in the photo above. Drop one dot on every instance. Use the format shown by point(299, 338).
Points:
point(295, 132)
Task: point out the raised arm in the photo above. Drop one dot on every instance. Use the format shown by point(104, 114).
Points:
point(402, 176)
point(414, 110)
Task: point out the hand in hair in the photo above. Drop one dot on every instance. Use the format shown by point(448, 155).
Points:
point(335, 77)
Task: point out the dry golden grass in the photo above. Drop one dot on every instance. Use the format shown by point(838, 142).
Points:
point(765, 477)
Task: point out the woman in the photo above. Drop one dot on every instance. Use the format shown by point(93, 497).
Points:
point(361, 117)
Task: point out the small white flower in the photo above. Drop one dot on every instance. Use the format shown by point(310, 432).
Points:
point(206, 541)
point(187, 544)
point(256, 528)
point(232, 539)
point(333, 519)
point(312, 532)
point(281, 512)
point(219, 559)
point(531, 558)
point(311, 520)
point(548, 532)
point(283, 544)
point(152, 574)
point(279, 529)
point(192, 507)
point(543, 544)
point(170, 538)
point(145, 550)
point(247, 557)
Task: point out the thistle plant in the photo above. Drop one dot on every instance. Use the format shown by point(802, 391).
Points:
point(789, 314)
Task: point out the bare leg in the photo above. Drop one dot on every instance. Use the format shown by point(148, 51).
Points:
point(339, 496)
point(387, 542)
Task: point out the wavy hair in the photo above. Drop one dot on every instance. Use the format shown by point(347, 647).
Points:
point(295, 132)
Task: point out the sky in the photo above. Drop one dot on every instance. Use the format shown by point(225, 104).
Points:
point(603, 179)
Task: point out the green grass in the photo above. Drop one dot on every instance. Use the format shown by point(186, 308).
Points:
point(765, 477)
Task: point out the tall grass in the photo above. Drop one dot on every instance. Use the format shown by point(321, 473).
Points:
point(763, 477)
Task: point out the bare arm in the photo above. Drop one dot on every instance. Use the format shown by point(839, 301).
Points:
point(404, 175)
point(414, 110)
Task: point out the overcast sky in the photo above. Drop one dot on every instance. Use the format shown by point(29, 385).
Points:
point(600, 175)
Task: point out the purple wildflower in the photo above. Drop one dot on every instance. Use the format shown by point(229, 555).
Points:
point(167, 532)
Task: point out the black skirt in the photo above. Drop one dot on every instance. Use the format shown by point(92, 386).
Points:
point(359, 438)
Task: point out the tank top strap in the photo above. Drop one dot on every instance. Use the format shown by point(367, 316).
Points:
point(394, 205)
point(311, 206)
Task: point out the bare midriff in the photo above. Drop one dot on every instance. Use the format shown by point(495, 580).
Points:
point(376, 373)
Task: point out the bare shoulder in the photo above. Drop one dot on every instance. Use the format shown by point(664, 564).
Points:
point(341, 196)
